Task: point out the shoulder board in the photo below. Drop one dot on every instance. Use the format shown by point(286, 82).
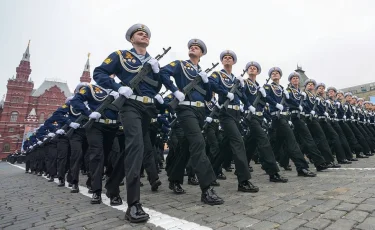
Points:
point(64, 106)
point(173, 64)
point(267, 86)
point(289, 90)
point(83, 90)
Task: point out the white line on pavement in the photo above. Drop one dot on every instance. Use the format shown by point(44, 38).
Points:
point(352, 169)
point(156, 218)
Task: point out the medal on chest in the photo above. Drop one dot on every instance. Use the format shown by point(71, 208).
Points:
point(253, 87)
point(189, 70)
point(226, 80)
point(277, 90)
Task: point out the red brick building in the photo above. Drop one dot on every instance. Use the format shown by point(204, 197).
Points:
point(25, 107)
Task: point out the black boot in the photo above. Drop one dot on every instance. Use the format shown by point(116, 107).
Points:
point(247, 186)
point(75, 188)
point(96, 198)
point(306, 173)
point(277, 178)
point(155, 185)
point(136, 214)
point(176, 188)
point(61, 183)
point(210, 197)
point(221, 176)
point(193, 180)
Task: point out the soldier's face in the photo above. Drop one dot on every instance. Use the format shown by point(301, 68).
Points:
point(331, 93)
point(348, 98)
point(140, 38)
point(252, 70)
point(360, 102)
point(340, 96)
point(294, 80)
point(275, 75)
point(310, 86)
point(195, 51)
point(353, 101)
point(320, 90)
point(227, 61)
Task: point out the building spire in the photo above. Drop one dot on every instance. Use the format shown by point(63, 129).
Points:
point(26, 55)
point(86, 71)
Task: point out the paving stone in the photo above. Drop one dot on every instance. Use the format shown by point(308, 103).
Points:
point(16, 226)
point(300, 208)
point(309, 215)
point(265, 214)
point(346, 207)
point(342, 224)
point(318, 223)
point(333, 214)
point(264, 225)
point(368, 224)
point(314, 202)
point(245, 222)
point(292, 224)
point(282, 217)
point(366, 207)
point(357, 216)
point(324, 207)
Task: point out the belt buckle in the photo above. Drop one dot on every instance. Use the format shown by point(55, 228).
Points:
point(236, 107)
point(145, 99)
point(106, 121)
point(198, 104)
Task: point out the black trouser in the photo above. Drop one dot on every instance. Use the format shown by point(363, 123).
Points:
point(320, 139)
point(308, 145)
point(284, 138)
point(135, 118)
point(78, 146)
point(52, 158)
point(344, 142)
point(369, 134)
point(258, 140)
point(28, 161)
point(229, 120)
point(352, 140)
point(62, 155)
point(213, 138)
point(100, 138)
point(191, 120)
point(361, 139)
point(370, 143)
point(173, 147)
point(333, 139)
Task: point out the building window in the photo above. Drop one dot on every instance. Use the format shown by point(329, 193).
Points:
point(6, 147)
point(363, 89)
point(13, 117)
point(372, 88)
point(41, 118)
point(11, 130)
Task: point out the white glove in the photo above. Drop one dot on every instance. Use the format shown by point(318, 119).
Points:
point(265, 120)
point(180, 96)
point(312, 112)
point(344, 117)
point(279, 107)
point(60, 131)
point(300, 108)
point(125, 91)
point(352, 117)
point(335, 114)
point(354, 107)
point(304, 95)
point(209, 119)
point(74, 125)
point(230, 96)
point(252, 109)
point(317, 99)
point(369, 121)
point(39, 142)
point(262, 91)
point(241, 108)
point(154, 65)
point(328, 101)
point(114, 94)
point(326, 114)
point(44, 139)
point(346, 106)
point(286, 93)
point(290, 123)
point(241, 81)
point(51, 134)
point(220, 127)
point(338, 104)
point(204, 76)
point(159, 98)
point(95, 115)
point(219, 106)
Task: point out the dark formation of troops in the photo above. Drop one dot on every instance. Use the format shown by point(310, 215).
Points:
point(116, 129)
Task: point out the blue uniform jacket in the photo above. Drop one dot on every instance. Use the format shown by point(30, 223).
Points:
point(294, 98)
point(221, 83)
point(184, 72)
point(125, 65)
point(274, 96)
point(94, 96)
point(309, 102)
point(251, 91)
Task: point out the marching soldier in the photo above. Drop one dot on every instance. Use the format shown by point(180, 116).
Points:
point(136, 113)
point(191, 114)
point(222, 82)
point(283, 133)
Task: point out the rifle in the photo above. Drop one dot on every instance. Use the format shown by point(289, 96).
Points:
point(281, 103)
point(234, 90)
point(300, 104)
point(192, 85)
point(172, 124)
point(79, 120)
point(214, 112)
point(134, 83)
point(104, 105)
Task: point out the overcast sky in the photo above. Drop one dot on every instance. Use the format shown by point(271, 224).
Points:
point(333, 41)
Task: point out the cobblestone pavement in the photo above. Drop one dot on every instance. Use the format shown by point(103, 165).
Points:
point(336, 199)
